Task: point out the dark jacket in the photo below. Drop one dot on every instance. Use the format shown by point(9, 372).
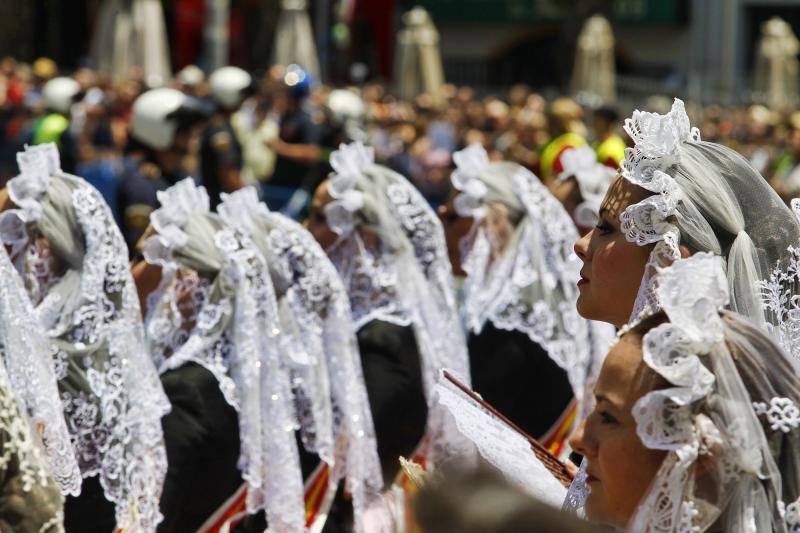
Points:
point(202, 439)
point(517, 377)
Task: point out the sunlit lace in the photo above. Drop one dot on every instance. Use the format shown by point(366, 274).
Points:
point(532, 288)
point(406, 288)
point(29, 360)
point(503, 447)
point(112, 403)
point(320, 338)
point(691, 292)
point(657, 140)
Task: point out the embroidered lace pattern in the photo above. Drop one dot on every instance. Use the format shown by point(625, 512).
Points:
point(19, 449)
point(111, 396)
point(29, 360)
point(321, 309)
point(779, 300)
point(404, 287)
point(329, 385)
point(657, 139)
point(503, 447)
point(692, 292)
point(530, 287)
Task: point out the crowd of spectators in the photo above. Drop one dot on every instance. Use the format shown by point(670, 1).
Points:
point(415, 138)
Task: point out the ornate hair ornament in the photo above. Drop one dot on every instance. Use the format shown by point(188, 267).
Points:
point(657, 139)
point(470, 163)
point(37, 165)
point(178, 204)
point(349, 163)
point(692, 292)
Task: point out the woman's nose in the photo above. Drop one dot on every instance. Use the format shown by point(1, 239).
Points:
point(581, 246)
point(578, 441)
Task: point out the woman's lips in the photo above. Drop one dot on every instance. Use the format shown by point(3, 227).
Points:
point(582, 281)
point(590, 478)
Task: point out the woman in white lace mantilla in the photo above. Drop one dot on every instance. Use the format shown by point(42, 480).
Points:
point(388, 247)
point(677, 196)
point(529, 350)
point(696, 424)
point(39, 462)
point(319, 335)
point(214, 331)
point(73, 262)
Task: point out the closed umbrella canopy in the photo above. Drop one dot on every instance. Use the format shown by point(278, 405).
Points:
point(132, 33)
point(594, 73)
point(294, 38)
point(776, 64)
point(418, 68)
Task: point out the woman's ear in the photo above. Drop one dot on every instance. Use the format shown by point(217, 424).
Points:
point(684, 251)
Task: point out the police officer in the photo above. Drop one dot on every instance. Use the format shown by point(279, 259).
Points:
point(161, 131)
point(220, 151)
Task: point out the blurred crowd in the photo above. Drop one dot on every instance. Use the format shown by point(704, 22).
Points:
point(289, 123)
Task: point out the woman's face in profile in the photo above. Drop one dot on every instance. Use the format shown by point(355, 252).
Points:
point(613, 267)
point(619, 468)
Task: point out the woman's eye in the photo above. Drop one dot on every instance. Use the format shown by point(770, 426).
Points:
point(604, 227)
point(607, 418)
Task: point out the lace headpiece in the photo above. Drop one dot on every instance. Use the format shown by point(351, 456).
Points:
point(392, 257)
point(216, 306)
point(320, 337)
point(723, 419)
point(657, 141)
point(593, 180)
point(111, 395)
point(530, 285)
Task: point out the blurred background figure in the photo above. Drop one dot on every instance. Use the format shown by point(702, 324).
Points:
point(419, 63)
point(594, 73)
point(483, 501)
point(132, 33)
point(776, 80)
point(220, 149)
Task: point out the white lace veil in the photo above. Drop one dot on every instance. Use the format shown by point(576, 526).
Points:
point(392, 258)
point(27, 356)
point(707, 197)
point(529, 286)
point(728, 419)
point(216, 306)
point(593, 179)
point(320, 335)
point(112, 399)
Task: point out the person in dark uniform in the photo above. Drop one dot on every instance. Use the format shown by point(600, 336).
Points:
point(58, 95)
point(528, 347)
point(297, 148)
point(162, 127)
point(220, 151)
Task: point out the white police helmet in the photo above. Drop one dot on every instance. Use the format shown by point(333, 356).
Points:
point(228, 85)
point(157, 114)
point(59, 94)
